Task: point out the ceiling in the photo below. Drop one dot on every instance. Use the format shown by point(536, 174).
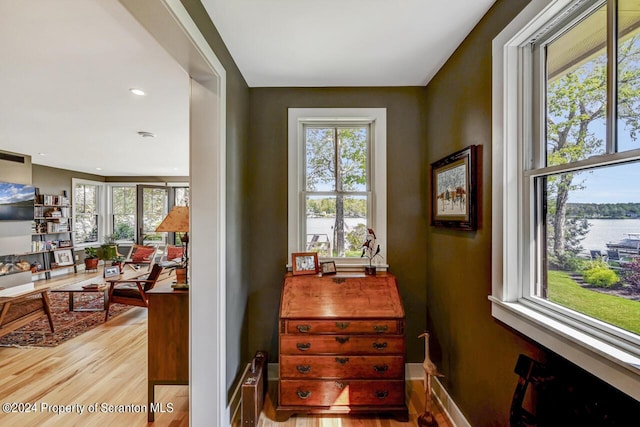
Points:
point(68, 66)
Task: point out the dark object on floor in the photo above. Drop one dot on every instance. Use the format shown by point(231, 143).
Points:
point(562, 394)
point(254, 388)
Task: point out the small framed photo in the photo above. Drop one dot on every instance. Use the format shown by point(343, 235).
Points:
point(304, 262)
point(328, 267)
point(63, 257)
point(111, 271)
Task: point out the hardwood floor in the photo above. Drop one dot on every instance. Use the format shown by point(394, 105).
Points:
point(107, 366)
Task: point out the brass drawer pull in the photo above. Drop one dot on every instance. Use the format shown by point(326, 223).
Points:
point(381, 368)
point(342, 360)
point(380, 346)
point(381, 394)
point(304, 328)
point(340, 385)
point(342, 325)
point(303, 346)
point(380, 328)
point(303, 394)
point(303, 369)
point(342, 340)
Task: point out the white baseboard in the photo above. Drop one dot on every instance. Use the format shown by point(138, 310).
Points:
point(235, 402)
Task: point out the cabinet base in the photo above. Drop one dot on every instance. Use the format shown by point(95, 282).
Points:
point(399, 413)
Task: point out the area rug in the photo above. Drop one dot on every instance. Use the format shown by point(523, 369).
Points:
point(67, 324)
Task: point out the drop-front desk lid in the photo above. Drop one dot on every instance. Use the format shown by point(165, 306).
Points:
point(340, 296)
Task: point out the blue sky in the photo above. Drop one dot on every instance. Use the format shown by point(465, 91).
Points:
point(614, 184)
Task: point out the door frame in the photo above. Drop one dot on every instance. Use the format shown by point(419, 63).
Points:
point(171, 25)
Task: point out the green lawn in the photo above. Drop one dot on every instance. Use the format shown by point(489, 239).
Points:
point(615, 310)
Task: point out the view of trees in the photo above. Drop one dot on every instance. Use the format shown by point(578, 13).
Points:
point(336, 162)
point(603, 210)
point(575, 100)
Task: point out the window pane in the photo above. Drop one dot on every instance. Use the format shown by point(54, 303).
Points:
point(124, 213)
point(320, 158)
point(576, 91)
point(352, 146)
point(181, 196)
point(155, 209)
point(592, 243)
point(85, 199)
point(628, 74)
point(336, 225)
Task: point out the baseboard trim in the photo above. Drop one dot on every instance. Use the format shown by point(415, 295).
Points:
point(235, 402)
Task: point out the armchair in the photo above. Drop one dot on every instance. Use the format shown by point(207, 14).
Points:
point(141, 255)
point(132, 291)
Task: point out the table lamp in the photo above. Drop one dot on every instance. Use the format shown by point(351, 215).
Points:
point(177, 221)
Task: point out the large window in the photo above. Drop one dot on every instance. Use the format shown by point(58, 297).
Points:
point(123, 204)
point(566, 166)
point(337, 185)
point(86, 206)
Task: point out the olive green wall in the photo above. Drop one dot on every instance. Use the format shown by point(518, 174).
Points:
point(237, 128)
point(55, 181)
point(17, 172)
point(265, 170)
point(476, 354)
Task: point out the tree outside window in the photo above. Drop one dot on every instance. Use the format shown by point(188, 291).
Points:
point(336, 184)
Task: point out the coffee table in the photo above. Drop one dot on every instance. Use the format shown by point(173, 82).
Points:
point(78, 288)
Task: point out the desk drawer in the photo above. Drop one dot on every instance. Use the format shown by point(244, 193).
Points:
point(341, 344)
point(341, 393)
point(389, 326)
point(343, 366)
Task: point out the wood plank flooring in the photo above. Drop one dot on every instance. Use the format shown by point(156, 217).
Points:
point(107, 366)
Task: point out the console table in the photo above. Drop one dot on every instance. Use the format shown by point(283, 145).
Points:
point(168, 339)
point(342, 346)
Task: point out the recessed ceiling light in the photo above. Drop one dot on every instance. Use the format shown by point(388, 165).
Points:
point(42, 154)
point(98, 169)
point(137, 91)
point(145, 134)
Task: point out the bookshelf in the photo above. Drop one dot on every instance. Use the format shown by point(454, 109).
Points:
point(52, 235)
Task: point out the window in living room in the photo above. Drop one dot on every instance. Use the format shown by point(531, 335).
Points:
point(337, 181)
point(123, 205)
point(566, 160)
point(86, 206)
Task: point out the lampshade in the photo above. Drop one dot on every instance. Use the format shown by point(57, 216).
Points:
point(177, 220)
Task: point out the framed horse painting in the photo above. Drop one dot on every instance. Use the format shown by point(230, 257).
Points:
point(453, 190)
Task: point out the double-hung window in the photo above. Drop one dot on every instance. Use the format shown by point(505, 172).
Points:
point(86, 207)
point(566, 167)
point(337, 189)
point(123, 207)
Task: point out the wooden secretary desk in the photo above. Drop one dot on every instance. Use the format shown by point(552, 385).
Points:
point(342, 346)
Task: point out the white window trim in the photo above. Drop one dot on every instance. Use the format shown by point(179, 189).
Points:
point(606, 359)
point(102, 203)
point(378, 152)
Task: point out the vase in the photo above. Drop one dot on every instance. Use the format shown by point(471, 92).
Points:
point(370, 270)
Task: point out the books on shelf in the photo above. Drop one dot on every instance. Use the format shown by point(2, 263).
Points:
point(53, 200)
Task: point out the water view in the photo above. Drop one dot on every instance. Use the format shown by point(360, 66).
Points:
point(603, 231)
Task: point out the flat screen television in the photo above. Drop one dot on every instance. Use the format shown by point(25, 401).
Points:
point(16, 202)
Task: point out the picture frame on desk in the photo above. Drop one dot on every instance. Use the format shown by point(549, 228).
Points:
point(63, 257)
point(304, 263)
point(328, 267)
